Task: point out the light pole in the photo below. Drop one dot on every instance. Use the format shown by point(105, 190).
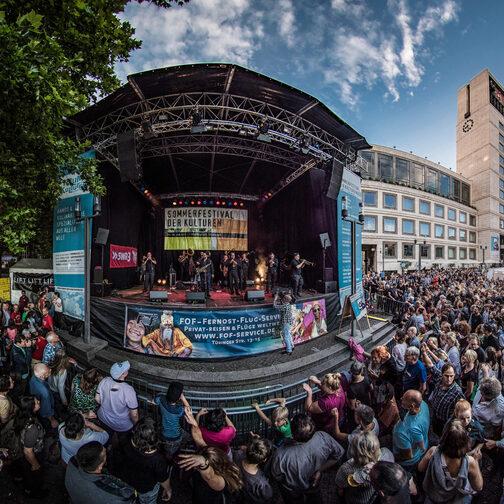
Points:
point(87, 259)
point(420, 252)
point(353, 223)
point(483, 249)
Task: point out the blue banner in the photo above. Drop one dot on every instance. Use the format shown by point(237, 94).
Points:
point(349, 197)
point(218, 333)
point(68, 244)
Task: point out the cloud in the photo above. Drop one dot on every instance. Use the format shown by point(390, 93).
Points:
point(286, 21)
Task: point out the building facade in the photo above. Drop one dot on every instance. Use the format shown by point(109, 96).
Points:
point(417, 214)
point(480, 156)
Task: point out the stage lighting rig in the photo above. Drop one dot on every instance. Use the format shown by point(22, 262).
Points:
point(148, 131)
point(195, 121)
point(263, 127)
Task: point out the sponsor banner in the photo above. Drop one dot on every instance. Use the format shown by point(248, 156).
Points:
point(494, 243)
point(351, 192)
point(123, 257)
point(68, 244)
point(206, 228)
point(23, 281)
point(218, 334)
point(5, 289)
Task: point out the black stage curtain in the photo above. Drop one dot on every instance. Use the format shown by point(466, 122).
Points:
point(291, 221)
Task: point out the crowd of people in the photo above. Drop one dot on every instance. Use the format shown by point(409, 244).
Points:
point(408, 422)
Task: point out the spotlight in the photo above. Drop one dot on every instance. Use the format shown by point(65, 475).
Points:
point(142, 189)
point(180, 202)
point(195, 121)
point(148, 132)
point(241, 204)
point(192, 202)
point(186, 202)
point(145, 191)
point(204, 202)
point(199, 202)
point(235, 203)
point(242, 131)
point(265, 196)
point(229, 203)
point(305, 145)
point(269, 194)
point(159, 281)
point(264, 125)
point(217, 203)
point(211, 202)
point(174, 203)
point(164, 281)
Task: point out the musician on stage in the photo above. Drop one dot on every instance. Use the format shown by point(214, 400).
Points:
point(208, 273)
point(243, 270)
point(224, 270)
point(272, 273)
point(233, 279)
point(184, 265)
point(150, 271)
point(297, 275)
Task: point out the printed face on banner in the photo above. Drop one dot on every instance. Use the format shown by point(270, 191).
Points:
point(203, 334)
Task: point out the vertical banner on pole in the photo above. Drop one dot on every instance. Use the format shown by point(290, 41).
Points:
point(68, 244)
point(351, 189)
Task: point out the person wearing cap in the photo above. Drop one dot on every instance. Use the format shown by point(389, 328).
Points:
point(118, 401)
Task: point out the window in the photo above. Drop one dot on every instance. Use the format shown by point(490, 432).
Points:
point(408, 227)
point(452, 253)
point(463, 217)
point(501, 126)
point(389, 201)
point(389, 225)
point(452, 233)
point(432, 182)
point(369, 157)
point(472, 220)
point(389, 249)
point(501, 194)
point(439, 253)
point(444, 184)
point(369, 223)
point(424, 229)
point(408, 204)
point(501, 147)
point(462, 235)
point(417, 175)
point(369, 198)
point(408, 250)
point(501, 169)
point(501, 208)
point(462, 253)
point(402, 170)
point(452, 214)
point(385, 168)
point(501, 138)
point(472, 254)
point(472, 237)
point(439, 231)
point(455, 188)
point(439, 210)
point(501, 223)
point(466, 193)
point(501, 159)
point(425, 207)
point(425, 251)
point(501, 183)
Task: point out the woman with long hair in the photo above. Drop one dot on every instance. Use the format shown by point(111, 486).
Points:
point(463, 412)
point(214, 475)
point(140, 463)
point(469, 374)
point(332, 396)
point(83, 393)
point(452, 350)
point(451, 475)
point(59, 367)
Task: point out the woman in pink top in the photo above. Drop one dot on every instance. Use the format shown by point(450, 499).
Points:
point(332, 396)
point(218, 430)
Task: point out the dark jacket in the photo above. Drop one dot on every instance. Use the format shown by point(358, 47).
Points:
point(21, 360)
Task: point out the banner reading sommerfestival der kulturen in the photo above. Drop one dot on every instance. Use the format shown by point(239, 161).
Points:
point(206, 228)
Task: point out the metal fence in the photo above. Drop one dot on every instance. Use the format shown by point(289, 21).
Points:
point(385, 304)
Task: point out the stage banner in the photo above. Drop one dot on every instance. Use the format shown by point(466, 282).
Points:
point(349, 197)
point(218, 334)
point(5, 289)
point(24, 281)
point(123, 257)
point(206, 228)
point(68, 244)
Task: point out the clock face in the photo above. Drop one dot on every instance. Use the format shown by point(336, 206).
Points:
point(467, 126)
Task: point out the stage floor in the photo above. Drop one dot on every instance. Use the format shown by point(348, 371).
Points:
point(218, 298)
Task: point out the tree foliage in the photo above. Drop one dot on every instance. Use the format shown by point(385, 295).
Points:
point(57, 56)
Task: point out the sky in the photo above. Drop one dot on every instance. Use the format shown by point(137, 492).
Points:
point(390, 69)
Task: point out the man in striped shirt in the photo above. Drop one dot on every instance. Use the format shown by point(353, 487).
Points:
point(286, 321)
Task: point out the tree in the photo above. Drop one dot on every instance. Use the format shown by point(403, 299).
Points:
point(57, 57)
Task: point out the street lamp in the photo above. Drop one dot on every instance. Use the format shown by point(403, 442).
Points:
point(483, 249)
point(87, 259)
point(420, 252)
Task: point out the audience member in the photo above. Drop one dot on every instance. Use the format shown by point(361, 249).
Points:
point(218, 430)
point(390, 482)
point(83, 393)
point(40, 389)
point(53, 344)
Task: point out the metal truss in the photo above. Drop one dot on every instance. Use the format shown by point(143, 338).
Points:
point(220, 112)
point(207, 195)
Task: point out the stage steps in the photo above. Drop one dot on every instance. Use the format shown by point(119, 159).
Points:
point(317, 357)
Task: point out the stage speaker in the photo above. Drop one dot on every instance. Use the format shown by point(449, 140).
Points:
point(101, 289)
point(195, 297)
point(158, 296)
point(98, 275)
point(249, 283)
point(333, 180)
point(101, 236)
point(253, 295)
point(180, 285)
point(327, 287)
point(329, 275)
point(127, 156)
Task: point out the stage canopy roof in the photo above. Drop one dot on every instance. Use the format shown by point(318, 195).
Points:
point(225, 153)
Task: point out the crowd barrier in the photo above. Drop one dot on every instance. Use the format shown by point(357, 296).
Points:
point(384, 304)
